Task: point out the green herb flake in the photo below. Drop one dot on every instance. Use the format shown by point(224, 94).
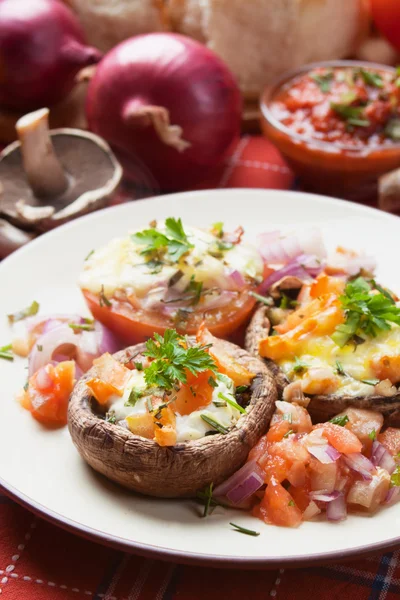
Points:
point(395, 477)
point(82, 327)
point(287, 302)
point(138, 366)
point(212, 382)
point(174, 242)
point(371, 78)
point(241, 389)
point(195, 288)
point(351, 114)
point(213, 423)
point(217, 229)
point(172, 359)
point(299, 366)
point(134, 396)
point(288, 433)
point(264, 299)
point(244, 530)
point(111, 418)
point(339, 369)
point(370, 381)
point(208, 492)
point(26, 386)
point(30, 311)
point(340, 420)
point(372, 435)
point(103, 300)
point(323, 80)
point(89, 255)
point(291, 503)
point(39, 347)
point(365, 313)
point(232, 403)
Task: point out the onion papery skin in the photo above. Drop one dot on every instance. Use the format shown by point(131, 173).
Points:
point(42, 48)
point(184, 80)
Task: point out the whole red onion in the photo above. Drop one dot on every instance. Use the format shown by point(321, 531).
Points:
point(169, 101)
point(42, 47)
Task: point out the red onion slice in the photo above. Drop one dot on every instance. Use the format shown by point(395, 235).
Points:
point(380, 457)
point(324, 497)
point(337, 509)
point(305, 267)
point(361, 464)
point(278, 248)
point(326, 453)
point(43, 379)
point(237, 279)
point(392, 496)
point(242, 484)
point(61, 340)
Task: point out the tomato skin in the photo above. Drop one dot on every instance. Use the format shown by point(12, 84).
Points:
point(340, 438)
point(278, 506)
point(390, 438)
point(195, 394)
point(132, 331)
point(386, 14)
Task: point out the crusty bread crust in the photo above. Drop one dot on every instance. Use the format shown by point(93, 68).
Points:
point(108, 22)
point(260, 39)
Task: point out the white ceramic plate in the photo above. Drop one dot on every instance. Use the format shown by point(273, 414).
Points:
point(42, 469)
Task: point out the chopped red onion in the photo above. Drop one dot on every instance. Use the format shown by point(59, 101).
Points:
point(326, 453)
point(277, 248)
point(305, 267)
point(380, 457)
point(361, 464)
point(237, 279)
point(324, 497)
point(43, 379)
point(61, 340)
point(106, 341)
point(337, 509)
point(242, 484)
point(392, 496)
point(218, 300)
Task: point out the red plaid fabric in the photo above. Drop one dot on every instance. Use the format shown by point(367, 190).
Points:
point(39, 561)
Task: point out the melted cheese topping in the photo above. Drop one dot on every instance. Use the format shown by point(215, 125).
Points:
point(356, 361)
point(120, 266)
point(188, 427)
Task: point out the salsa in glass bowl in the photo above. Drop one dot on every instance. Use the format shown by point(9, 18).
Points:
point(337, 124)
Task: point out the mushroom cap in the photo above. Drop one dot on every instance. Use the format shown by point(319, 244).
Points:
point(93, 174)
point(177, 471)
point(321, 407)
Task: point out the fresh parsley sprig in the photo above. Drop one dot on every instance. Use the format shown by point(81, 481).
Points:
point(174, 242)
point(172, 358)
point(367, 313)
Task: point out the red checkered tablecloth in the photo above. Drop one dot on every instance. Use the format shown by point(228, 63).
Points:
point(39, 561)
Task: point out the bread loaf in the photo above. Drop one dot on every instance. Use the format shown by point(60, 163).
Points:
point(260, 39)
point(108, 22)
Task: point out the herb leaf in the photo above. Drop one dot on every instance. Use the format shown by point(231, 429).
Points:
point(264, 299)
point(323, 80)
point(365, 312)
point(210, 421)
point(340, 420)
point(24, 313)
point(395, 478)
point(172, 358)
point(232, 403)
point(372, 435)
point(299, 366)
point(340, 370)
point(245, 530)
point(371, 78)
point(370, 381)
point(174, 242)
point(134, 396)
point(351, 114)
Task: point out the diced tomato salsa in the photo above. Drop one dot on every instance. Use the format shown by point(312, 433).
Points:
point(351, 106)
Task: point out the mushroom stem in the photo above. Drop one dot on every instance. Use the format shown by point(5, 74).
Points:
point(44, 171)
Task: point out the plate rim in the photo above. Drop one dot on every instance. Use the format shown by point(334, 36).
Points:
point(188, 557)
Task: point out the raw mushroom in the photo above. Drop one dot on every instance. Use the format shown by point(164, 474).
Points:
point(50, 177)
point(389, 191)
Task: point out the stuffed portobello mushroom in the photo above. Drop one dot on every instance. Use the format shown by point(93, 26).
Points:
point(172, 415)
point(334, 344)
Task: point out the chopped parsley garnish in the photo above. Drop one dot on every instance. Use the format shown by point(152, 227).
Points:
point(264, 299)
point(219, 403)
point(88, 325)
point(154, 265)
point(138, 366)
point(240, 529)
point(195, 288)
point(89, 255)
point(174, 242)
point(232, 403)
point(339, 369)
point(365, 313)
point(172, 359)
point(213, 423)
point(370, 381)
point(323, 80)
point(287, 302)
point(372, 79)
point(288, 433)
point(372, 435)
point(217, 229)
point(291, 503)
point(6, 352)
point(353, 115)
point(299, 366)
point(395, 477)
point(30, 311)
point(340, 420)
point(134, 396)
point(103, 300)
